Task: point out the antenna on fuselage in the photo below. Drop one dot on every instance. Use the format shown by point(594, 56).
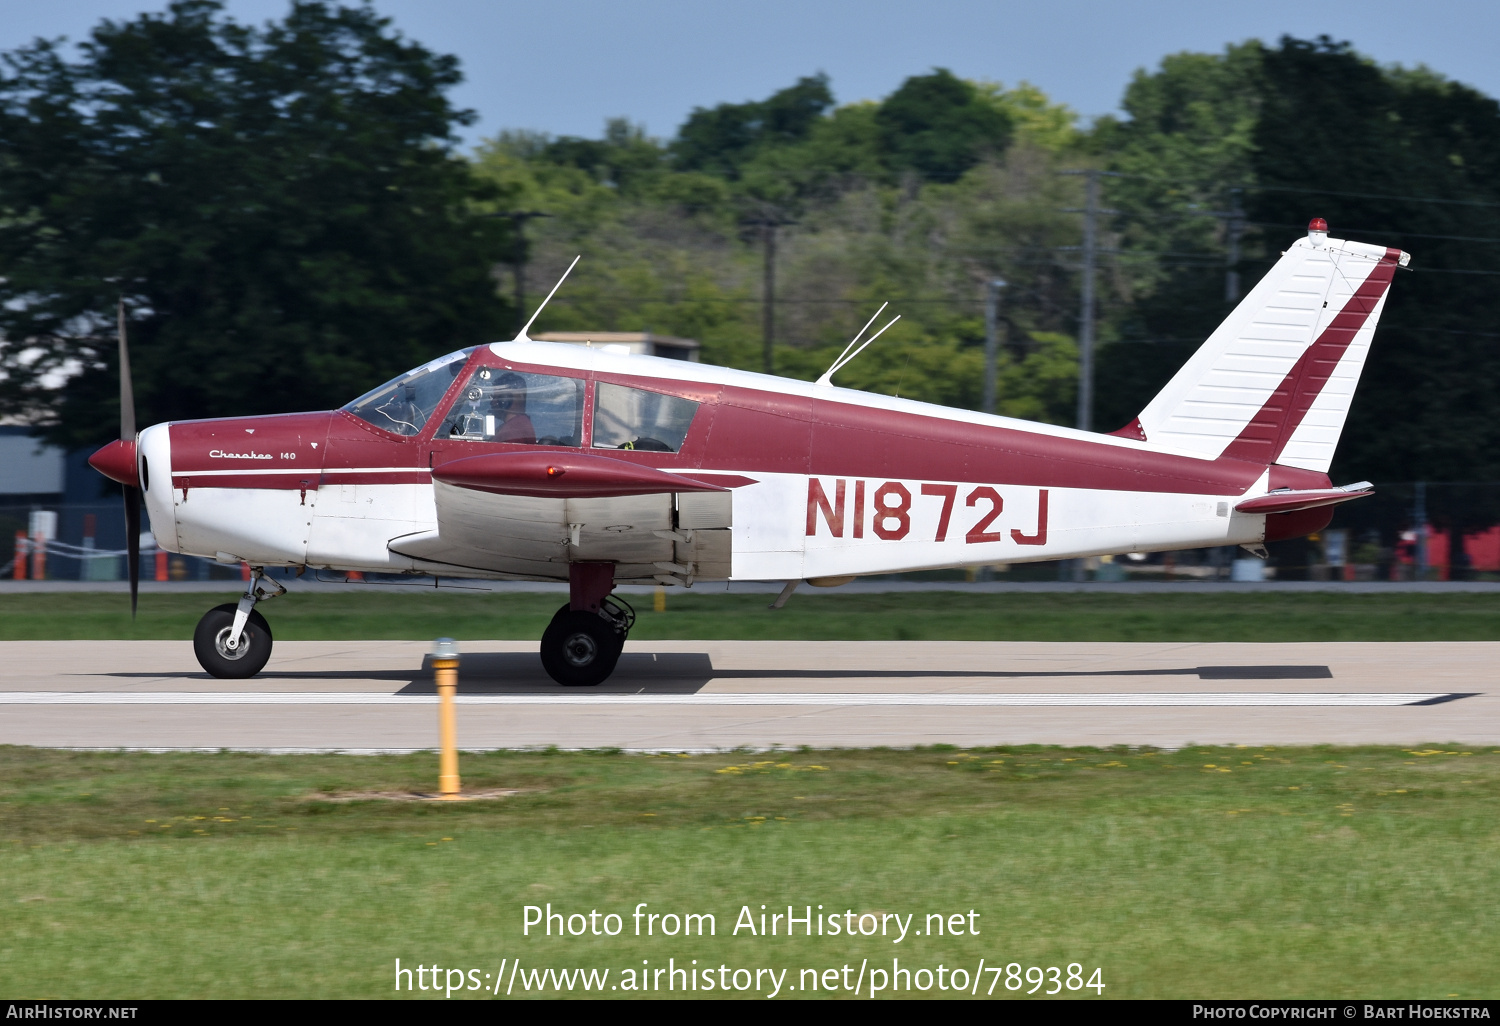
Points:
point(523, 337)
point(846, 356)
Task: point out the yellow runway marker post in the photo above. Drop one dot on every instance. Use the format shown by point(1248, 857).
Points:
point(445, 674)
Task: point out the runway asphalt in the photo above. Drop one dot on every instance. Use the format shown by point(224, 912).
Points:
point(695, 696)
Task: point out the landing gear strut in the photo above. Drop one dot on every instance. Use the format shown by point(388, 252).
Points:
point(583, 642)
point(233, 641)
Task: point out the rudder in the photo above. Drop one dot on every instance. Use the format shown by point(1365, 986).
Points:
point(1274, 382)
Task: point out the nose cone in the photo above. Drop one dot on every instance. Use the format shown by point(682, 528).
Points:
point(116, 461)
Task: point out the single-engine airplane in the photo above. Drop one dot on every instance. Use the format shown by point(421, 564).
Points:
point(541, 461)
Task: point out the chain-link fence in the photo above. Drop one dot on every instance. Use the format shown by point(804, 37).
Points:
point(86, 542)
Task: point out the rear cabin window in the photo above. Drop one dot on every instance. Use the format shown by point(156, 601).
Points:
point(498, 405)
point(633, 418)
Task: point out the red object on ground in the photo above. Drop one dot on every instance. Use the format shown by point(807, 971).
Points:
point(1437, 552)
point(161, 564)
point(354, 575)
point(22, 549)
point(1483, 548)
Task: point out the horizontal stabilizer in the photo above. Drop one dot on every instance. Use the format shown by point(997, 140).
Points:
point(1288, 500)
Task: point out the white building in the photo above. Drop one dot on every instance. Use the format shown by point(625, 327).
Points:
point(641, 343)
point(28, 467)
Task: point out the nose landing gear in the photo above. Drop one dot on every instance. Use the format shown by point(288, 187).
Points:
point(582, 644)
point(233, 641)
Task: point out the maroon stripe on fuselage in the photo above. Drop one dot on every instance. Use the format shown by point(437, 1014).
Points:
point(311, 482)
point(1273, 425)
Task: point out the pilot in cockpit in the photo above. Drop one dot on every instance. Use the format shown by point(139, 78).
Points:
point(494, 409)
point(508, 402)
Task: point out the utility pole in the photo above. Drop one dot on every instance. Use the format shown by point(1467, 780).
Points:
point(768, 294)
point(1419, 514)
point(991, 364)
point(768, 219)
point(1086, 302)
point(1090, 252)
point(991, 341)
point(1234, 227)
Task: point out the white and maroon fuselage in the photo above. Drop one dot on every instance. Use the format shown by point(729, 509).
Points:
point(821, 482)
point(768, 478)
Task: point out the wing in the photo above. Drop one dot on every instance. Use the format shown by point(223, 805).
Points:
point(530, 514)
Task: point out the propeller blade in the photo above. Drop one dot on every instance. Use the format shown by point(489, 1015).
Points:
point(133, 542)
point(127, 435)
point(127, 393)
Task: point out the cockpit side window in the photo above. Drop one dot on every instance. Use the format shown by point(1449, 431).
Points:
point(403, 405)
point(499, 405)
point(633, 418)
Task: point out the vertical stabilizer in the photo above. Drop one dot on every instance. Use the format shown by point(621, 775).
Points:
point(1274, 383)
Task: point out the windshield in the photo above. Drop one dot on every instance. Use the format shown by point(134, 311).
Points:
point(402, 405)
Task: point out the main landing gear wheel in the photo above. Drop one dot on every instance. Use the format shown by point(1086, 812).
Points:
point(580, 648)
point(210, 643)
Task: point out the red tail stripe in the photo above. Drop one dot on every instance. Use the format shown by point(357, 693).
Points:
point(1264, 438)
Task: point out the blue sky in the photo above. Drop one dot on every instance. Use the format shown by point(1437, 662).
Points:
point(563, 66)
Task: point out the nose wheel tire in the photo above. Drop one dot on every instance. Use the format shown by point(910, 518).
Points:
point(211, 644)
point(579, 648)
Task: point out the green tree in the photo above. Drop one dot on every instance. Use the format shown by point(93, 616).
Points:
point(1403, 158)
point(720, 139)
point(939, 126)
point(675, 246)
point(1186, 146)
point(1306, 128)
point(279, 207)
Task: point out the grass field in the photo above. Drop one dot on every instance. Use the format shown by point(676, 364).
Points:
point(1206, 872)
point(415, 613)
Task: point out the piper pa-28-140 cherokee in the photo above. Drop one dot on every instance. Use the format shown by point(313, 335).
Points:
point(545, 461)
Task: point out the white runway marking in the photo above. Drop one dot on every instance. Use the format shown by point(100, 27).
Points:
point(1189, 698)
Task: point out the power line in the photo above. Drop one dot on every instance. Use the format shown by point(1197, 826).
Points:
point(1371, 195)
point(1290, 225)
point(1309, 190)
